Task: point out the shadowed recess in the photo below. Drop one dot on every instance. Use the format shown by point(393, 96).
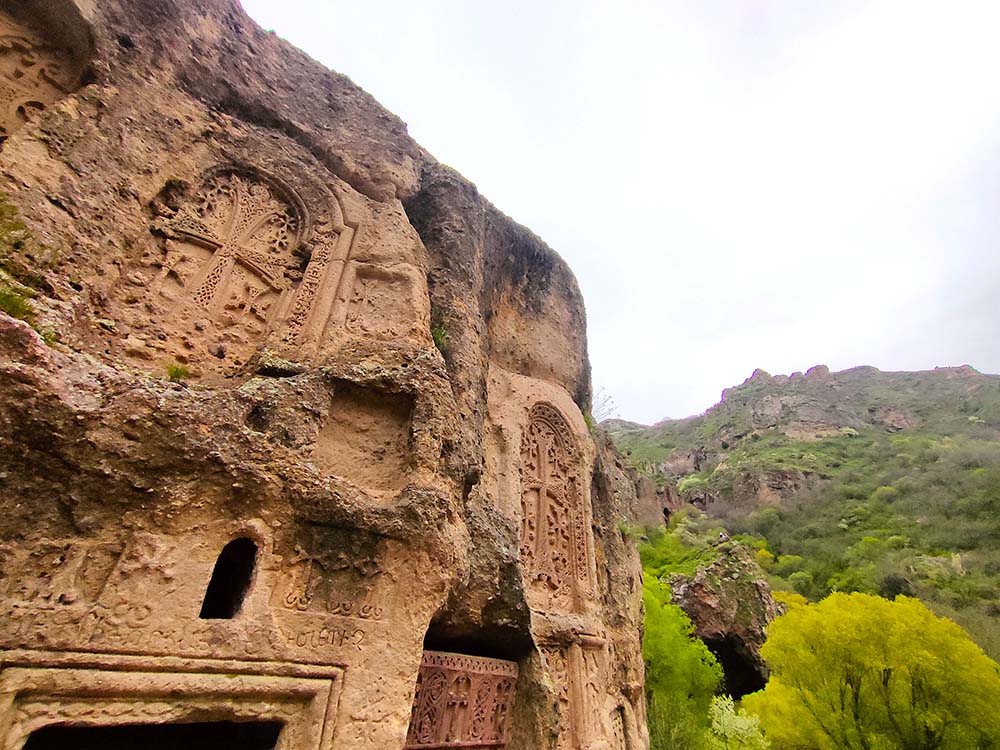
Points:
point(230, 580)
point(250, 735)
point(741, 676)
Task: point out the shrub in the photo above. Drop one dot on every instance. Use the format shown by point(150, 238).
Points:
point(681, 673)
point(16, 305)
point(856, 672)
point(732, 730)
point(177, 373)
point(439, 333)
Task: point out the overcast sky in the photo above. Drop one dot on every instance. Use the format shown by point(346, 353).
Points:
point(737, 184)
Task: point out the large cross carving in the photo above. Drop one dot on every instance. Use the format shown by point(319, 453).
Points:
point(251, 209)
point(549, 491)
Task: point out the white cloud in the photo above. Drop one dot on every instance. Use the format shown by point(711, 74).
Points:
point(761, 184)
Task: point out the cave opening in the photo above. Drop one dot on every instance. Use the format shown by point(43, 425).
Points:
point(741, 675)
point(248, 735)
point(230, 580)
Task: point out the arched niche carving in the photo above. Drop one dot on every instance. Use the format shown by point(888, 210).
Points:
point(39, 63)
point(247, 261)
point(556, 547)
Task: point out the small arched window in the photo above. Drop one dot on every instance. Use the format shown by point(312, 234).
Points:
point(230, 580)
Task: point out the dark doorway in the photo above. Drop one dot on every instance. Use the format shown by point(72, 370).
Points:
point(230, 580)
point(250, 735)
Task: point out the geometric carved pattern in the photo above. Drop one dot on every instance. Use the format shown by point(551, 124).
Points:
point(252, 236)
point(579, 674)
point(461, 701)
point(619, 733)
point(555, 547)
point(32, 76)
point(248, 262)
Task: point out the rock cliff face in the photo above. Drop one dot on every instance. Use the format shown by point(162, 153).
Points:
point(291, 436)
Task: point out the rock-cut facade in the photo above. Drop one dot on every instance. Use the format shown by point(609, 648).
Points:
point(292, 440)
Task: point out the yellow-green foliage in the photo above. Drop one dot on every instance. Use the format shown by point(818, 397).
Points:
point(682, 548)
point(177, 372)
point(16, 244)
point(859, 672)
point(13, 236)
point(15, 304)
point(790, 599)
point(682, 675)
point(911, 513)
point(13, 233)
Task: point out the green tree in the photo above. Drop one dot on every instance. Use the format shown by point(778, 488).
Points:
point(858, 672)
point(682, 675)
point(732, 730)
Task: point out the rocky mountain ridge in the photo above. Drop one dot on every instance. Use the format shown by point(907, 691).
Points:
point(810, 406)
point(862, 480)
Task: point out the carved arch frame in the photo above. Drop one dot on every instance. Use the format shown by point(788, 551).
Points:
point(325, 232)
point(535, 524)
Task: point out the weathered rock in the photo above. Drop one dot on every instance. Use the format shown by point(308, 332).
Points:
point(655, 503)
point(247, 483)
point(730, 605)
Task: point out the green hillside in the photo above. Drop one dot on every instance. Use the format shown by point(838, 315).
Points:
point(867, 481)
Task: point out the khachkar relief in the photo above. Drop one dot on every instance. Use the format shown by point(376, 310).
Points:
point(556, 546)
point(33, 75)
point(247, 262)
point(248, 238)
point(461, 701)
point(234, 258)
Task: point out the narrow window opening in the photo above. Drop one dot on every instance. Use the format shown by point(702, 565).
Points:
point(248, 735)
point(230, 580)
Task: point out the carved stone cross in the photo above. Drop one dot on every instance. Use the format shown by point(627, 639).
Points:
point(249, 228)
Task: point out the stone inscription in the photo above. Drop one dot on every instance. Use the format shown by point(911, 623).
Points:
point(33, 75)
point(334, 573)
point(325, 637)
point(555, 538)
point(461, 701)
point(61, 573)
point(130, 628)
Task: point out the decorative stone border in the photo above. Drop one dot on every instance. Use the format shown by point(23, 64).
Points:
point(39, 689)
point(461, 702)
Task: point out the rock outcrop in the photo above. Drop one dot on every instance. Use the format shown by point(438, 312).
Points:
point(292, 441)
point(730, 604)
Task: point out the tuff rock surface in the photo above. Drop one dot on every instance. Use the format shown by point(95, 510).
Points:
point(291, 418)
